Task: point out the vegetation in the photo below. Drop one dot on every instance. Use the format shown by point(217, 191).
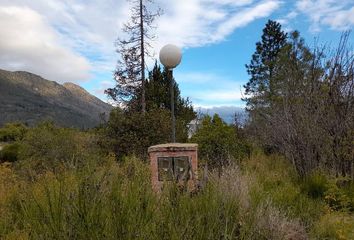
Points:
point(9, 134)
point(63, 183)
point(260, 199)
point(218, 143)
point(9, 153)
point(158, 96)
point(50, 148)
point(262, 68)
point(305, 107)
point(130, 71)
point(12, 132)
point(131, 133)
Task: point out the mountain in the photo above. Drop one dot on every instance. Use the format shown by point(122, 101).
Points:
point(227, 113)
point(29, 98)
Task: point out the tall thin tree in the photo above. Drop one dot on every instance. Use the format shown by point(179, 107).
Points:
point(130, 71)
point(259, 88)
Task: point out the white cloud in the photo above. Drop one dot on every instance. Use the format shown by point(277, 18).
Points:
point(230, 2)
point(102, 86)
point(218, 95)
point(341, 20)
point(28, 43)
point(195, 23)
point(84, 31)
point(209, 89)
point(338, 15)
point(287, 18)
point(244, 17)
point(196, 77)
point(66, 40)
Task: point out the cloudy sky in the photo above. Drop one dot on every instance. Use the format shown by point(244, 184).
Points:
point(73, 40)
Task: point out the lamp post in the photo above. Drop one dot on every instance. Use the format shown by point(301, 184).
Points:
point(170, 57)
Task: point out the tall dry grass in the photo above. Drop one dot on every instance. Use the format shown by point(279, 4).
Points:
point(260, 199)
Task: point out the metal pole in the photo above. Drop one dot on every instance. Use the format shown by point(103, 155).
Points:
point(172, 106)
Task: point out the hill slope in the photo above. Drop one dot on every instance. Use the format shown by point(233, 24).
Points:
point(29, 98)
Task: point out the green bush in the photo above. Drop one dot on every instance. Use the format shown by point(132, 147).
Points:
point(218, 143)
point(116, 201)
point(315, 185)
point(335, 225)
point(349, 191)
point(12, 132)
point(131, 133)
point(336, 196)
point(277, 180)
point(340, 198)
point(74, 199)
point(113, 202)
point(47, 147)
point(9, 153)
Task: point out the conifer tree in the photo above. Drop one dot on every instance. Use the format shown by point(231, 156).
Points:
point(130, 70)
point(157, 88)
point(260, 87)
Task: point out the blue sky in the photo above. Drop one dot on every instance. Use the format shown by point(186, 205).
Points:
point(73, 40)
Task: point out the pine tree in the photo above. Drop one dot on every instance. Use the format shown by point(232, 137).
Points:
point(130, 70)
point(157, 88)
point(260, 87)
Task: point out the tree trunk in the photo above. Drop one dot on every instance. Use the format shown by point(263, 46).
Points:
point(143, 104)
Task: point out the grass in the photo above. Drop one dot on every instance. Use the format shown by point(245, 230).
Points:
point(260, 199)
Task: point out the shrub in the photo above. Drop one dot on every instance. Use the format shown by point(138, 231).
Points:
point(218, 142)
point(334, 225)
point(9, 153)
point(277, 180)
point(47, 147)
point(12, 132)
point(131, 133)
point(339, 198)
point(271, 223)
point(315, 185)
point(8, 190)
point(115, 201)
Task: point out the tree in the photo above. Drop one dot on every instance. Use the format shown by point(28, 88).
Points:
point(261, 68)
point(130, 71)
point(218, 142)
point(309, 112)
point(157, 88)
point(126, 134)
point(313, 120)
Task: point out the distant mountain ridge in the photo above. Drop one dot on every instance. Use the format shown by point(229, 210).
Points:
point(29, 98)
point(227, 113)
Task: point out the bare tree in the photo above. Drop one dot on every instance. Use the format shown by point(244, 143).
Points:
point(312, 118)
point(130, 70)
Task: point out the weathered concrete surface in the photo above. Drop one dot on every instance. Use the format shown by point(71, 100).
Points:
point(173, 150)
point(174, 147)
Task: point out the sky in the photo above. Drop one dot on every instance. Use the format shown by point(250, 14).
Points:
point(73, 40)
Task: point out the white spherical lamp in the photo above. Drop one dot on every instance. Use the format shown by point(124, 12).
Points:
point(170, 56)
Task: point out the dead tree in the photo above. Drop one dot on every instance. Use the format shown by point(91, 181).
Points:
point(133, 50)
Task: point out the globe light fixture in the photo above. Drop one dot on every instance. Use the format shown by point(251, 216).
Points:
point(170, 56)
